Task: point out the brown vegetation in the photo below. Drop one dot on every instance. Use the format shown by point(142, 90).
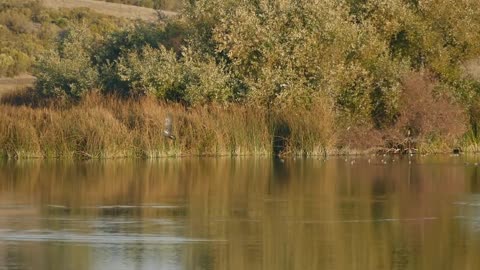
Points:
point(428, 115)
point(106, 127)
point(101, 127)
point(428, 120)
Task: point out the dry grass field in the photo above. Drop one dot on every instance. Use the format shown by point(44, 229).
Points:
point(18, 82)
point(112, 9)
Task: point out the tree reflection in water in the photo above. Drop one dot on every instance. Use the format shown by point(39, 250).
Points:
point(245, 213)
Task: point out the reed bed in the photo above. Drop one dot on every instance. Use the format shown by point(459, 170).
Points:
point(102, 126)
point(109, 127)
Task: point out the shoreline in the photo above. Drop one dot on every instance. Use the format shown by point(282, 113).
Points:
point(103, 127)
point(331, 154)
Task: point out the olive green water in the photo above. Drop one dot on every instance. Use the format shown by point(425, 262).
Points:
point(249, 213)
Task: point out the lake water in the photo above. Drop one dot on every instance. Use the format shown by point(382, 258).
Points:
point(245, 213)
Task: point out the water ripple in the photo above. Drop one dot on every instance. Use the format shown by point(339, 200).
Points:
point(69, 237)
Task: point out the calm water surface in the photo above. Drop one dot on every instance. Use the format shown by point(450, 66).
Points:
point(248, 213)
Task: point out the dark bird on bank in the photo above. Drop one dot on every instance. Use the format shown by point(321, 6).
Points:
point(168, 129)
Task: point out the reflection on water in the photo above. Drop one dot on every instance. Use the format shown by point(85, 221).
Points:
point(249, 213)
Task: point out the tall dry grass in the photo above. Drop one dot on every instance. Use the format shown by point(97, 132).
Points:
point(109, 127)
point(304, 131)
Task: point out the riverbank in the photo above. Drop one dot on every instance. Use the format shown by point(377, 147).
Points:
point(106, 127)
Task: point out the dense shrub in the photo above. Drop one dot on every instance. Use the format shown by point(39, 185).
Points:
point(356, 52)
point(68, 71)
point(6, 64)
point(16, 22)
point(157, 72)
point(204, 81)
point(148, 72)
point(284, 54)
point(131, 41)
point(13, 62)
point(429, 114)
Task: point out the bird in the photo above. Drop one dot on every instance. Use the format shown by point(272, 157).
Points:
point(167, 130)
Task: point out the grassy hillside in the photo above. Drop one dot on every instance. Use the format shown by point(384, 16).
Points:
point(111, 9)
point(28, 29)
point(173, 5)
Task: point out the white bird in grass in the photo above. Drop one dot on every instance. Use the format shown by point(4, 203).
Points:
point(167, 131)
